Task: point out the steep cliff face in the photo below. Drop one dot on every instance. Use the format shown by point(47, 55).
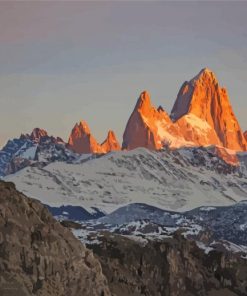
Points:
point(38, 256)
point(169, 267)
point(82, 141)
point(153, 128)
point(245, 135)
point(110, 143)
point(229, 156)
point(201, 116)
point(147, 126)
point(37, 134)
point(204, 102)
point(196, 131)
point(30, 149)
point(40, 136)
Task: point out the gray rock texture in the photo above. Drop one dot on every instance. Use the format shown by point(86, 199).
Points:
point(38, 256)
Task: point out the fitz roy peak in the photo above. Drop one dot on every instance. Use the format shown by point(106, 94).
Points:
point(204, 98)
point(202, 116)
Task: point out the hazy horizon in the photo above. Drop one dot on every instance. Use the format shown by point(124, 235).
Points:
point(66, 61)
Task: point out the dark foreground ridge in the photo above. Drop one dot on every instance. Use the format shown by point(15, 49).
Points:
point(174, 266)
point(38, 256)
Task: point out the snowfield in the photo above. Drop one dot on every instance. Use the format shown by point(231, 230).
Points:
point(174, 180)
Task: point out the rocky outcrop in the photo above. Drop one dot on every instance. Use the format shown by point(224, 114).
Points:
point(38, 256)
point(147, 126)
point(37, 148)
point(229, 156)
point(203, 103)
point(39, 135)
point(82, 141)
point(169, 267)
point(110, 143)
point(36, 134)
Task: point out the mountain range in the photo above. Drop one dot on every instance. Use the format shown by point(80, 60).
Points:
point(193, 157)
point(201, 116)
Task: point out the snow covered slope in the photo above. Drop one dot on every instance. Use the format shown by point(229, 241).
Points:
point(227, 223)
point(36, 149)
point(15, 149)
point(176, 180)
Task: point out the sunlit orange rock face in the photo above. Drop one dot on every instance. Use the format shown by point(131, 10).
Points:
point(229, 156)
point(153, 128)
point(201, 116)
point(111, 143)
point(245, 135)
point(81, 140)
point(38, 133)
point(145, 125)
point(207, 104)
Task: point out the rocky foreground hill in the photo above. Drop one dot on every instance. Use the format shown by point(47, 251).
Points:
point(38, 256)
point(174, 266)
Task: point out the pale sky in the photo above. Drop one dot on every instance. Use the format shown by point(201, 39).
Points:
point(61, 62)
